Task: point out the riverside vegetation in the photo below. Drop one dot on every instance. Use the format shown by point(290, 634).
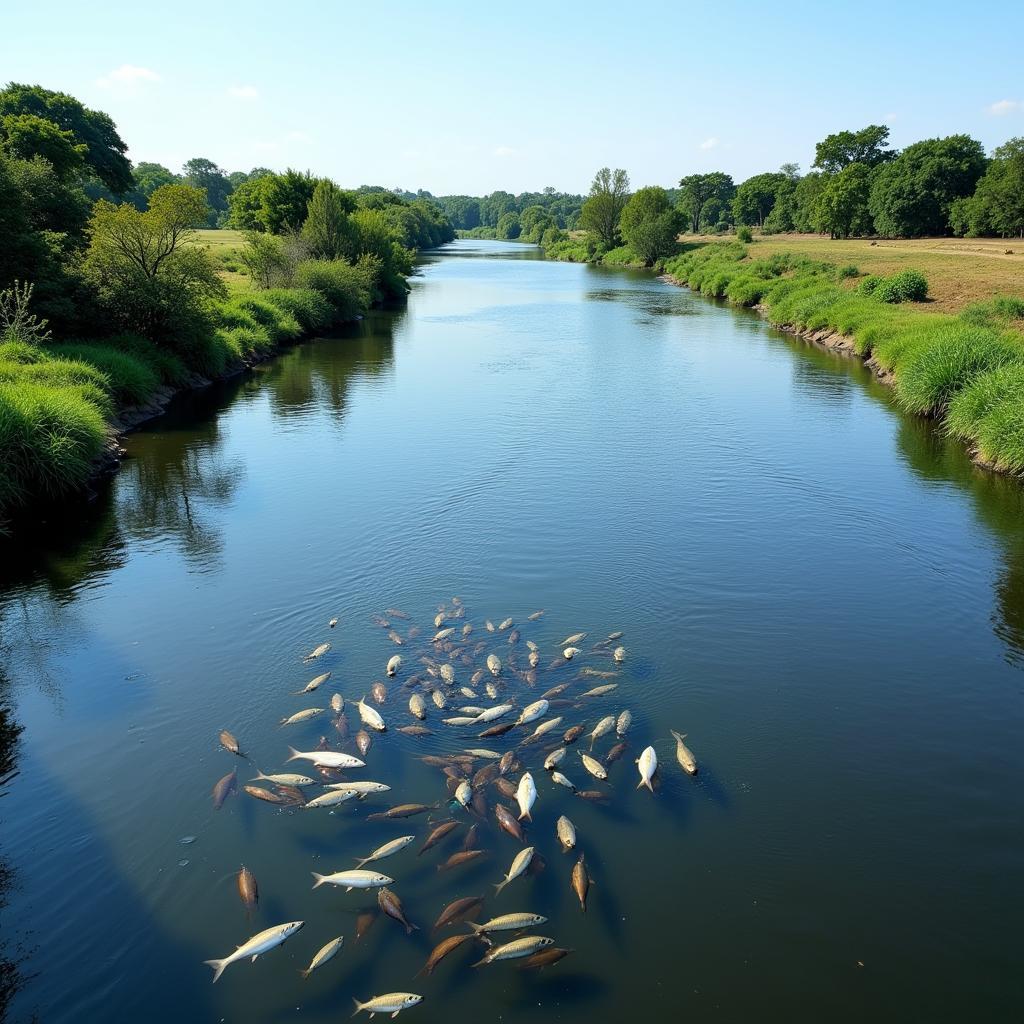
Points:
point(106, 300)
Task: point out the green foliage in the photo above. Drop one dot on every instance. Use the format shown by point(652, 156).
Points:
point(868, 285)
point(602, 209)
point(997, 206)
point(756, 197)
point(867, 146)
point(744, 234)
point(704, 196)
point(27, 136)
point(905, 286)
point(279, 324)
point(347, 287)
point(842, 204)
point(1002, 311)
point(17, 323)
point(206, 175)
point(649, 225)
point(328, 229)
point(132, 381)
point(310, 307)
point(508, 226)
point(970, 406)
point(263, 257)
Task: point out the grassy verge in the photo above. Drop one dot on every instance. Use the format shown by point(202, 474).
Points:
point(966, 370)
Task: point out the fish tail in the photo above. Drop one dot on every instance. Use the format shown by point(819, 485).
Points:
point(358, 1006)
point(527, 816)
point(218, 967)
point(410, 928)
point(319, 879)
point(305, 972)
point(292, 753)
point(360, 861)
point(498, 886)
point(649, 784)
point(479, 963)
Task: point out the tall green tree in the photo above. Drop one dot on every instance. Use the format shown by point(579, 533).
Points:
point(105, 149)
point(756, 196)
point(699, 191)
point(841, 207)
point(28, 135)
point(997, 206)
point(869, 146)
point(328, 229)
point(205, 174)
point(603, 207)
point(649, 224)
point(149, 177)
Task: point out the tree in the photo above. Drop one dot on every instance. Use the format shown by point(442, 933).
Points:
point(205, 174)
point(263, 256)
point(649, 224)
point(494, 205)
point(997, 206)
point(328, 229)
point(755, 197)
point(284, 199)
point(105, 155)
point(27, 136)
point(842, 205)
point(149, 177)
point(701, 190)
point(508, 225)
point(805, 199)
point(911, 196)
point(868, 147)
point(602, 209)
point(149, 279)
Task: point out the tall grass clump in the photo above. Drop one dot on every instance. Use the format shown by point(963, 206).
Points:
point(85, 380)
point(132, 382)
point(347, 287)
point(309, 307)
point(1002, 311)
point(279, 324)
point(1000, 436)
point(969, 407)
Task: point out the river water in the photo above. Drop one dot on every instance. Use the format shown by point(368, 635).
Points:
point(822, 593)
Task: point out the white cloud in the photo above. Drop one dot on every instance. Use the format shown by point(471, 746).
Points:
point(127, 78)
point(504, 151)
point(709, 143)
point(243, 92)
point(1003, 107)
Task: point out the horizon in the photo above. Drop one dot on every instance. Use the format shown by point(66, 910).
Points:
point(258, 108)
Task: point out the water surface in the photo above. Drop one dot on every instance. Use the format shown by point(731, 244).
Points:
point(824, 594)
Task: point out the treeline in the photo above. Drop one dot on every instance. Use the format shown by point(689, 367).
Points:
point(503, 215)
point(105, 297)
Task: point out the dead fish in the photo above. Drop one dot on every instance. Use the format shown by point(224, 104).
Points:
point(538, 709)
point(415, 730)
point(581, 882)
point(394, 664)
point(266, 795)
point(494, 664)
point(570, 652)
point(459, 910)
point(545, 958)
point(327, 952)
point(417, 707)
point(464, 793)
point(414, 631)
point(285, 779)
point(507, 762)
point(327, 758)
point(507, 822)
point(439, 699)
point(467, 692)
point(534, 616)
point(460, 720)
point(392, 906)
point(508, 923)
point(573, 734)
point(302, 716)
point(432, 761)
point(600, 691)
point(520, 863)
point(558, 777)
point(457, 860)
point(515, 949)
point(402, 811)
point(534, 659)
point(332, 623)
point(332, 798)
point(594, 795)
point(513, 637)
point(391, 1002)
point(379, 692)
point(443, 634)
point(229, 743)
point(442, 949)
point(396, 613)
point(395, 638)
point(448, 673)
point(575, 638)
point(489, 625)
point(496, 730)
point(647, 765)
point(504, 624)
point(554, 758)
point(615, 753)
point(526, 796)
point(488, 773)
point(437, 834)
point(260, 943)
point(683, 754)
point(593, 766)
point(341, 724)
point(370, 716)
point(314, 683)
point(619, 654)
point(364, 919)
point(604, 726)
point(379, 620)
point(467, 629)
point(355, 879)
point(505, 788)
point(224, 788)
point(474, 679)
point(387, 850)
point(566, 832)
point(557, 663)
point(337, 703)
point(363, 742)
point(623, 723)
point(469, 841)
point(248, 890)
point(317, 652)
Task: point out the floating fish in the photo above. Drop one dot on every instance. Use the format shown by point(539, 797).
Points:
point(229, 743)
point(327, 952)
point(520, 863)
point(504, 624)
point(508, 923)
point(558, 777)
point(360, 787)
point(600, 691)
point(363, 742)
point(464, 793)
point(647, 765)
point(443, 634)
point(394, 664)
point(494, 664)
point(496, 730)
point(581, 882)
point(391, 1002)
point(392, 906)
point(314, 683)
point(370, 717)
point(526, 796)
point(302, 716)
point(355, 879)
point(615, 753)
point(248, 890)
point(507, 822)
point(566, 832)
point(260, 943)
point(448, 673)
point(554, 758)
point(332, 623)
point(534, 616)
point(594, 766)
point(573, 734)
point(683, 754)
point(604, 726)
point(337, 703)
point(317, 652)
point(493, 714)
point(515, 949)
point(224, 788)
point(570, 652)
point(625, 720)
point(326, 758)
point(538, 709)
point(395, 638)
point(417, 707)
point(387, 850)
point(266, 795)
point(439, 699)
point(379, 692)
point(619, 654)
point(331, 799)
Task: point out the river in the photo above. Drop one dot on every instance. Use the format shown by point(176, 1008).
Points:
point(822, 593)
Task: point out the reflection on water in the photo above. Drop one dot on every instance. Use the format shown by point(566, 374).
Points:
point(11, 951)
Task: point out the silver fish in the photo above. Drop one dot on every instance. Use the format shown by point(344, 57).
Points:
point(683, 754)
point(566, 832)
point(647, 765)
point(327, 952)
point(355, 879)
point(526, 796)
point(519, 864)
point(387, 850)
point(326, 758)
point(261, 943)
point(391, 1002)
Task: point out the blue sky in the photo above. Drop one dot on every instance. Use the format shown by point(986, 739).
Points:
point(472, 97)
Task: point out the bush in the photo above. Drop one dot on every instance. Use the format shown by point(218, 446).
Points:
point(309, 307)
point(869, 284)
point(347, 287)
point(849, 270)
point(973, 403)
point(168, 366)
point(21, 352)
point(132, 382)
point(906, 286)
point(85, 380)
point(279, 324)
point(744, 234)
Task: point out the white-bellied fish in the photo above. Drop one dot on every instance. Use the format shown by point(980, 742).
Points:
point(557, 776)
point(327, 952)
point(370, 717)
point(391, 1002)
point(394, 664)
point(354, 879)
point(647, 765)
point(494, 664)
point(619, 654)
point(508, 923)
point(326, 758)
point(570, 652)
point(604, 726)
point(538, 709)
point(285, 779)
point(516, 948)
point(302, 716)
point(417, 707)
point(593, 766)
point(684, 755)
point(260, 943)
point(554, 758)
point(332, 798)
point(625, 720)
point(566, 832)
point(314, 683)
point(526, 796)
point(520, 863)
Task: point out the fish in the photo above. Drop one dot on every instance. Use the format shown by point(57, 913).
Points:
point(516, 948)
point(437, 834)
point(595, 674)
point(570, 652)
point(604, 726)
point(575, 638)
point(224, 788)
point(416, 706)
point(439, 699)
point(615, 753)
point(337, 703)
point(360, 787)
point(566, 832)
point(302, 716)
point(402, 811)
point(331, 799)
point(332, 623)
point(594, 766)
point(513, 637)
point(266, 795)
point(364, 920)
point(467, 629)
point(395, 638)
point(248, 890)
point(396, 613)
point(460, 720)
point(592, 794)
point(625, 720)
point(489, 625)
point(683, 754)
point(415, 730)
point(494, 665)
point(260, 943)
point(573, 734)
point(438, 619)
point(545, 958)
point(558, 777)
point(619, 654)
point(292, 795)
point(488, 773)
point(443, 634)
point(229, 743)
point(442, 949)
point(326, 758)
point(355, 879)
point(508, 762)
point(394, 664)
point(505, 788)
point(496, 730)
point(456, 860)
point(526, 796)
point(534, 659)
point(507, 822)
point(327, 952)
point(379, 620)
point(520, 863)
point(447, 671)
point(370, 717)
point(491, 690)
point(600, 691)
point(458, 910)
point(391, 1002)
point(581, 882)
point(474, 679)
point(464, 793)
point(387, 850)
point(379, 692)
point(392, 906)
point(504, 624)
point(467, 692)
point(647, 765)
point(493, 714)
point(538, 709)
point(482, 752)
point(314, 683)
point(508, 923)
point(363, 742)
point(317, 652)
point(534, 616)
point(554, 758)
point(341, 724)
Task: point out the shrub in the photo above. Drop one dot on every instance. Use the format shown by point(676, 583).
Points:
point(1001, 434)
point(132, 382)
point(168, 366)
point(849, 270)
point(85, 380)
point(20, 352)
point(906, 286)
point(278, 323)
point(744, 234)
point(309, 307)
point(969, 406)
point(869, 284)
point(347, 287)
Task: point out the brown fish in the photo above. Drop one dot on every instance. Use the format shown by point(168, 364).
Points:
point(437, 834)
point(573, 734)
point(507, 822)
point(442, 949)
point(395, 638)
point(488, 773)
point(456, 860)
point(513, 637)
point(379, 692)
point(581, 882)
point(228, 742)
point(508, 762)
point(469, 841)
point(554, 691)
point(265, 794)
point(497, 730)
point(615, 753)
point(341, 724)
point(544, 958)
point(432, 761)
point(363, 742)
point(402, 811)
point(224, 788)
point(592, 794)
point(364, 919)
point(392, 906)
point(416, 730)
point(505, 788)
point(479, 803)
point(248, 890)
point(459, 910)
point(292, 795)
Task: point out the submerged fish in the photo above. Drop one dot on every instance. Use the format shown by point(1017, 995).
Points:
point(520, 863)
point(260, 943)
point(387, 850)
point(314, 683)
point(507, 822)
point(402, 811)
point(391, 1002)
point(534, 616)
point(615, 753)
point(600, 691)
point(248, 890)
point(317, 652)
point(442, 949)
point(355, 879)
point(327, 952)
point(456, 860)
point(458, 910)
point(392, 906)
point(496, 730)
point(515, 949)
point(437, 834)
point(266, 795)
point(647, 765)
point(683, 754)
point(581, 882)
point(224, 788)
point(228, 742)
point(575, 638)
point(545, 958)
point(508, 923)
point(302, 716)
point(363, 742)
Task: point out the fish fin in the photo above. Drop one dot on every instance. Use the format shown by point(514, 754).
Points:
point(360, 861)
point(527, 816)
point(479, 963)
point(475, 928)
point(319, 879)
point(348, 888)
point(395, 1014)
point(641, 784)
point(253, 960)
point(218, 967)
point(498, 886)
point(293, 753)
point(358, 1005)
point(305, 972)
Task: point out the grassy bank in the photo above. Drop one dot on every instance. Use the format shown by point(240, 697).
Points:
point(964, 369)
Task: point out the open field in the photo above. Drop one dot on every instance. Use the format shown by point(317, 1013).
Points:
point(959, 270)
point(219, 240)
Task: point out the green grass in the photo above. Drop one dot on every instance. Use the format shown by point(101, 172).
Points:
point(132, 382)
